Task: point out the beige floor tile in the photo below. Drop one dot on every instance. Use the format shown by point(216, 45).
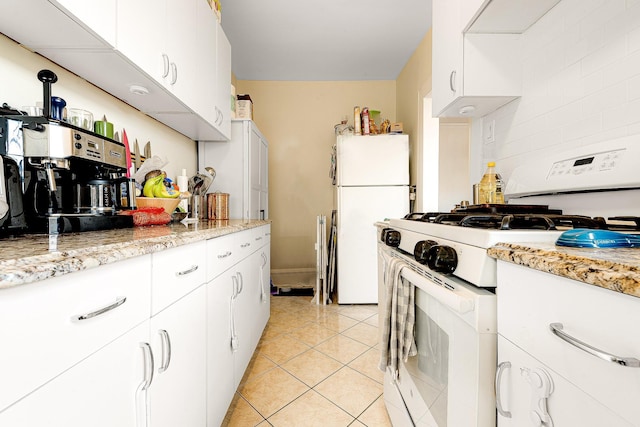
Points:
point(310, 410)
point(367, 364)
point(270, 392)
point(312, 334)
point(373, 320)
point(376, 415)
point(241, 414)
point(259, 365)
point(311, 367)
point(350, 390)
point(358, 312)
point(364, 333)
point(341, 348)
point(337, 322)
point(283, 348)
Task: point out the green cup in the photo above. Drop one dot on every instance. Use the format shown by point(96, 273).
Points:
point(103, 128)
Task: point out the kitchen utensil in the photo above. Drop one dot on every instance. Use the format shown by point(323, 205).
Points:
point(81, 118)
point(137, 155)
point(103, 127)
point(211, 171)
point(125, 141)
point(147, 150)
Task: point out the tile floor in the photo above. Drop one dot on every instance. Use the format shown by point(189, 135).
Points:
point(314, 366)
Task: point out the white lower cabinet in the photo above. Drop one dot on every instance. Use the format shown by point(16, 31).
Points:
point(104, 390)
point(558, 342)
point(531, 394)
point(177, 395)
point(238, 308)
point(219, 376)
point(141, 342)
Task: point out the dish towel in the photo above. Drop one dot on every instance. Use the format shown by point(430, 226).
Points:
point(399, 317)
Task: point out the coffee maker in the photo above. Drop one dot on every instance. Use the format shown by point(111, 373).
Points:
point(74, 179)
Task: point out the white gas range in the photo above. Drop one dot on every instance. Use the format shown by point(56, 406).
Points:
point(596, 187)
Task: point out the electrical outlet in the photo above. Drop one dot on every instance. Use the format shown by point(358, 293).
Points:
point(489, 131)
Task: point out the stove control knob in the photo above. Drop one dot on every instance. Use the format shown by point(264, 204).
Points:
point(392, 238)
point(421, 250)
point(442, 259)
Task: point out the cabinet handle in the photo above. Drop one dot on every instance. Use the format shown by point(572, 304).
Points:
point(263, 294)
point(165, 65)
point(452, 80)
point(501, 368)
point(174, 73)
point(556, 328)
point(258, 238)
point(98, 312)
point(148, 365)
point(232, 324)
point(166, 350)
point(234, 283)
point(185, 272)
point(245, 245)
point(224, 255)
point(240, 281)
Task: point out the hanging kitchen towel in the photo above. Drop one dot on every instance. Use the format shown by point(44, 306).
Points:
point(399, 317)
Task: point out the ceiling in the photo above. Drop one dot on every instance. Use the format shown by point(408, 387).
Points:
point(298, 40)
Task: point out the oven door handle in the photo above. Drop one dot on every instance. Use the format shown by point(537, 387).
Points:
point(445, 296)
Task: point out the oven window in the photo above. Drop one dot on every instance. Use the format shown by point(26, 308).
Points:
point(429, 369)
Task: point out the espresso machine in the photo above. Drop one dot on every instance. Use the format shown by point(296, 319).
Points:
point(73, 179)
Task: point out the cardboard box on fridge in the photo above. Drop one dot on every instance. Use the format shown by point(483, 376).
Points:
point(244, 107)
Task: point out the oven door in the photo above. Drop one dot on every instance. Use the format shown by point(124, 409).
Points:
point(450, 380)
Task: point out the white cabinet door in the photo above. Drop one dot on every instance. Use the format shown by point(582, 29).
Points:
point(242, 169)
point(220, 384)
point(58, 322)
point(181, 48)
point(245, 302)
point(99, 16)
point(177, 395)
point(142, 35)
point(447, 53)
point(473, 74)
point(527, 390)
point(104, 390)
point(223, 82)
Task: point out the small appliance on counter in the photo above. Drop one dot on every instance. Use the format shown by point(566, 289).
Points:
point(71, 179)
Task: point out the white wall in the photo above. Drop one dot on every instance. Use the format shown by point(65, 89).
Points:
point(581, 84)
point(19, 86)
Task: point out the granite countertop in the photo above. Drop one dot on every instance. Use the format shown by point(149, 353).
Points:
point(614, 269)
point(33, 257)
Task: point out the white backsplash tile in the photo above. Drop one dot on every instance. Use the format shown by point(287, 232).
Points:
point(581, 84)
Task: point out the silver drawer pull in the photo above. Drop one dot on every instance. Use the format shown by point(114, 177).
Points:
point(556, 328)
point(185, 272)
point(501, 368)
point(245, 245)
point(118, 303)
point(166, 350)
point(258, 238)
point(224, 255)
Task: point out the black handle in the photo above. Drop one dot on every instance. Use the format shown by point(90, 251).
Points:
point(47, 77)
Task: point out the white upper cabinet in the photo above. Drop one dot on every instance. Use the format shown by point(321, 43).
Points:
point(476, 53)
point(504, 16)
point(99, 16)
point(473, 74)
point(143, 52)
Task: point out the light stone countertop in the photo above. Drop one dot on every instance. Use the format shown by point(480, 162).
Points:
point(614, 269)
point(34, 257)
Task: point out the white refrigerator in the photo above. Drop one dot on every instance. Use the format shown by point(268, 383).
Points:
point(372, 184)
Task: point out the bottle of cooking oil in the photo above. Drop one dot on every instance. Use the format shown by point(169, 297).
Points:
point(499, 189)
point(489, 186)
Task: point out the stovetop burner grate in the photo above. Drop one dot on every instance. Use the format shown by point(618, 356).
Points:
point(550, 220)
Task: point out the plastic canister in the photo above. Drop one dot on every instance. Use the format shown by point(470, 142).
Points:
point(488, 191)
